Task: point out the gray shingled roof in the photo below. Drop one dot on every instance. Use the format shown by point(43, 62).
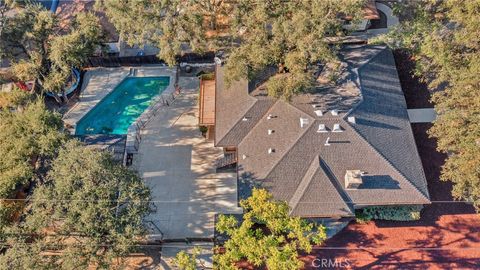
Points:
point(309, 175)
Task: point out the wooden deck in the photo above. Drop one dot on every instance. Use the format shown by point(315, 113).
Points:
point(207, 103)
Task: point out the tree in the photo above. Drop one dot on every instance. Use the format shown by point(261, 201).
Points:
point(89, 212)
point(288, 34)
point(15, 99)
point(29, 139)
point(44, 50)
point(266, 236)
point(443, 36)
point(165, 24)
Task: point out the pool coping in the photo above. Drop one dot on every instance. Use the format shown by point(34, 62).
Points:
point(82, 108)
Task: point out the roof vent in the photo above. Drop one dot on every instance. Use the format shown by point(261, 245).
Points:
point(318, 112)
point(244, 119)
point(351, 119)
point(270, 131)
point(217, 60)
point(322, 128)
point(327, 142)
point(316, 106)
point(244, 156)
point(353, 179)
point(334, 112)
point(270, 116)
point(336, 128)
point(271, 150)
point(303, 122)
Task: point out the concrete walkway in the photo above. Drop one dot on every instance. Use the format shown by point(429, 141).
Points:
point(178, 164)
point(427, 115)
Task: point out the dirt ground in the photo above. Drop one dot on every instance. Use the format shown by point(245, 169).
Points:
point(446, 237)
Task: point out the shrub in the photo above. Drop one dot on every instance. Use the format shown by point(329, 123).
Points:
point(207, 76)
point(397, 213)
point(203, 129)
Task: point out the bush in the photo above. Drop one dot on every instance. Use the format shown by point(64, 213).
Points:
point(15, 98)
point(207, 76)
point(397, 213)
point(203, 129)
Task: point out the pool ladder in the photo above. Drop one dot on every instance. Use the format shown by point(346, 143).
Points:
point(132, 72)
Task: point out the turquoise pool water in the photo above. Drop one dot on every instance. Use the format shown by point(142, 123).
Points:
point(121, 107)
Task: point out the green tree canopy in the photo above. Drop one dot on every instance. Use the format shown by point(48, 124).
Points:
point(45, 50)
point(266, 236)
point(165, 24)
point(443, 36)
point(287, 34)
point(29, 139)
point(89, 212)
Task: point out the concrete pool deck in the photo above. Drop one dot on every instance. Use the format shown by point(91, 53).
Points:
point(178, 165)
point(99, 82)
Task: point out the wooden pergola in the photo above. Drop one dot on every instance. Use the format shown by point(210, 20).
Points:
point(207, 103)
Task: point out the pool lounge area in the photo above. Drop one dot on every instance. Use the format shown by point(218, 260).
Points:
point(120, 101)
point(120, 108)
point(113, 99)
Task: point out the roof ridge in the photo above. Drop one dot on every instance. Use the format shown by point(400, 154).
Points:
point(294, 143)
point(356, 70)
point(328, 172)
point(386, 160)
point(260, 119)
point(353, 109)
point(302, 186)
point(238, 121)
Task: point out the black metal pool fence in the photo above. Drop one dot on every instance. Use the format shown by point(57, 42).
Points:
point(116, 61)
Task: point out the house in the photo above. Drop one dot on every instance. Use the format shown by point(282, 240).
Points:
point(330, 151)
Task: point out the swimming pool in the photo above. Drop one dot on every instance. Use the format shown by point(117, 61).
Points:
point(121, 107)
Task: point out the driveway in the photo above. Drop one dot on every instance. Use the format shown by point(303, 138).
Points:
point(178, 165)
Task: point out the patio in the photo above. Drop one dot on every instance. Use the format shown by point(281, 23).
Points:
point(178, 164)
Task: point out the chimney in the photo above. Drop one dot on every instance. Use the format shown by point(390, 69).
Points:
point(244, 119)
point(270, 131)
point(270, 116)
point(271, 150)
point(318, 112)
point(353, 179)
point(334, 112)
point(336, 128)
point(351, 119)
point(244, 156)
point(322, 128)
